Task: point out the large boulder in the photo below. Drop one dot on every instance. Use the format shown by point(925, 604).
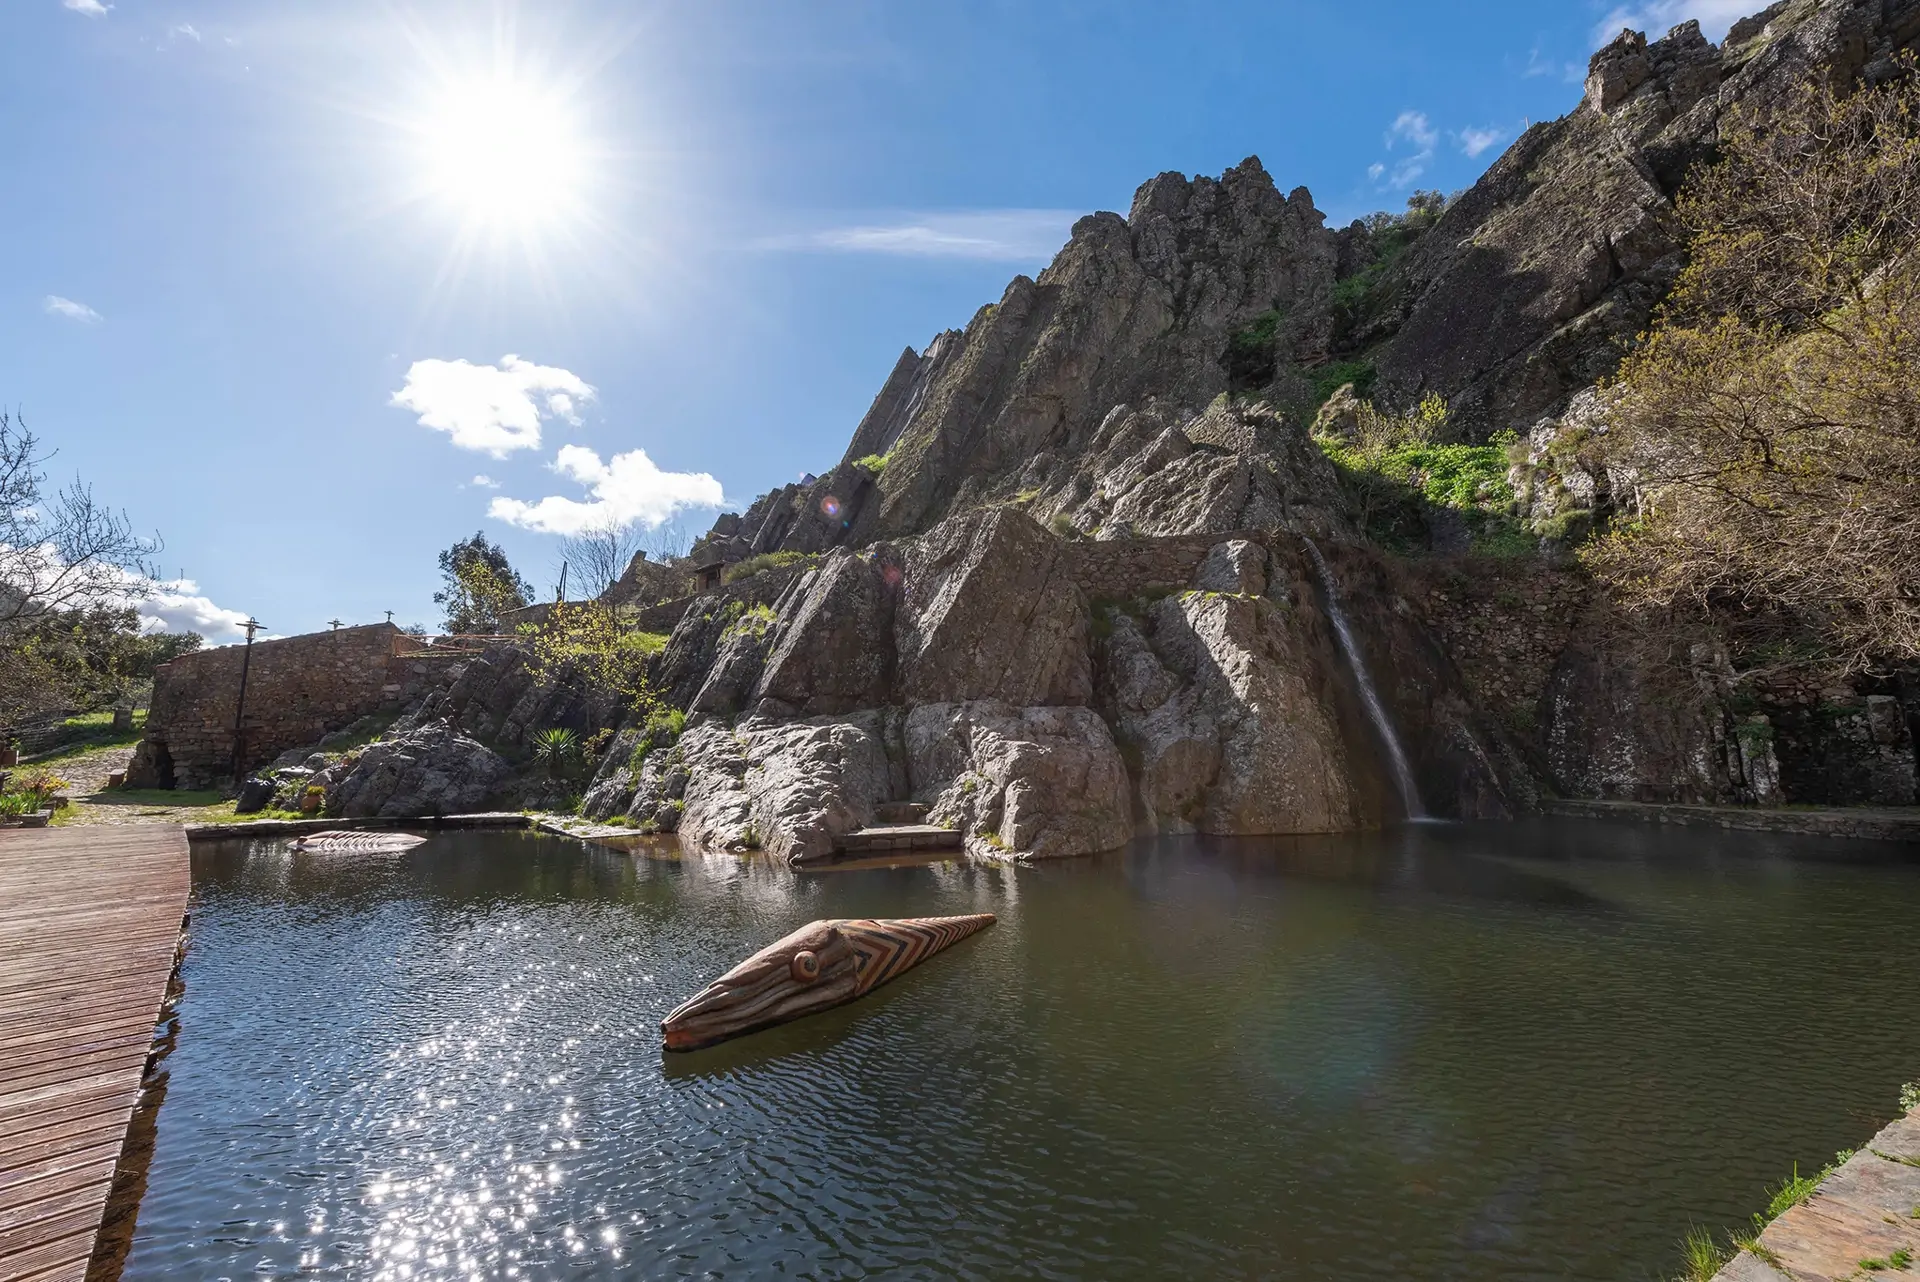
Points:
point(431, 770)
point(792, 789)
point(1028, 783)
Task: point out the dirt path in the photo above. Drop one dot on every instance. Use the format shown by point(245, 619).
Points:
point(92, 802)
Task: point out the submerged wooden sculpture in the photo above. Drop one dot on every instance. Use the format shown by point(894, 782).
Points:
point(358, 843)
point(821, 965)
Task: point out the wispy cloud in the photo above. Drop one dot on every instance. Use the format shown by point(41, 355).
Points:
point(66, 307)
point(484, 482)
point(185, 31)
point(495, 409)
point(1572, 72)
point(92, 8)
point(1410, 143)
point(996, 235)
point(626, 489)
point(1474, 141)
point(1656, 17)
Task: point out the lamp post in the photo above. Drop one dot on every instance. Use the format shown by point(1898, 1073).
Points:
point(252, 625)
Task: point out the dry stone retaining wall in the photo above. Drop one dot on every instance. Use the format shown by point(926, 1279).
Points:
point(1121, 569)
point(763, 588)
point(298, 689)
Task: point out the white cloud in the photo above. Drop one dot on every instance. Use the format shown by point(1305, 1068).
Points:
point(627, 489)
point(186, 29)
point(92, 8)
point(484, 482)
point(1657, 17)
point(1475, 141)
point(58, 306)
point(180, 606)
point(495, 409)
point(997, 235)
point(1414, 134)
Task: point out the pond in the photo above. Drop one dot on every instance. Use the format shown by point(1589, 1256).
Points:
point(1518, 1051)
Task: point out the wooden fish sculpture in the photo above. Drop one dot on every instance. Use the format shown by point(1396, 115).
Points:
point(357, 843)
point(821, 965)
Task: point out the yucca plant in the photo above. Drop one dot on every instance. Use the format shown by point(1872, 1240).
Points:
point(556, 749)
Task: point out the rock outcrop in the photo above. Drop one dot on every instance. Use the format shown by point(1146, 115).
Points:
point(431, 770)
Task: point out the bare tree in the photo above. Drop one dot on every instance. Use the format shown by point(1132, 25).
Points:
point(59, 549)
point(668, 541)
point(596, 557)
point(1772, 417)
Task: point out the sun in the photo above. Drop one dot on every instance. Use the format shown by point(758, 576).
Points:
point(503, 153)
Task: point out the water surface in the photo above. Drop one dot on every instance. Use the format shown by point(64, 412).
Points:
point(1533, 1051)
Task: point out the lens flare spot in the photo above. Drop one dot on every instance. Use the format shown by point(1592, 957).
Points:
point(830, 506)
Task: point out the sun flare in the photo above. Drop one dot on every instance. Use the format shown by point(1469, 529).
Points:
point(504, 153)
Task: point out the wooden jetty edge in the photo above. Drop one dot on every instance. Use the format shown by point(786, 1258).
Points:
point(90, 922)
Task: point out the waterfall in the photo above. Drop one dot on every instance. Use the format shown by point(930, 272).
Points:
point(1376, 711)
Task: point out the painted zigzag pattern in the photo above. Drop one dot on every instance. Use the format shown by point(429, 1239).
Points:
point(883, 949)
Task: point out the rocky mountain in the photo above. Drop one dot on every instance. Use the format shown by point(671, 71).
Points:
point(1083, 572)
point(1518, 297)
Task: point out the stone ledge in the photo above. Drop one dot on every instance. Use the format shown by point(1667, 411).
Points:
point(293, 827)
point(898, 837)
point(1864, 824)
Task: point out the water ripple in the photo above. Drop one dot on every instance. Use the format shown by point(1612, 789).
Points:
point(1513, 1053)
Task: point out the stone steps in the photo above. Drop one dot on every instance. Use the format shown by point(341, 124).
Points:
point(881, 837)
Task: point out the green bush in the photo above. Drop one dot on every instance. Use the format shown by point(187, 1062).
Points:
point(872, 464)
point(1330, 378)
point(766, 561)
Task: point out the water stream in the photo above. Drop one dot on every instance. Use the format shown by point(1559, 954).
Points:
point(1376, 710)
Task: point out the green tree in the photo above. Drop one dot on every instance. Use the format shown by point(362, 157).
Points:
point(1771, 419)
point(480, 586)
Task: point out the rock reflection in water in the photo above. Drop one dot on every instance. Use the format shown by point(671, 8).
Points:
point(1460, 1051)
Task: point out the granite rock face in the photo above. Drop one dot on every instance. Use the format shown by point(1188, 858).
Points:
point(1037, 782)
point(788, 788)
point(1217, 698)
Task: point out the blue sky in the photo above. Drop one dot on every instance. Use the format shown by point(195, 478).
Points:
point(316, 288)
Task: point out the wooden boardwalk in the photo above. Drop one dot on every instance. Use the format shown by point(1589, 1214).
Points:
point(89, 924)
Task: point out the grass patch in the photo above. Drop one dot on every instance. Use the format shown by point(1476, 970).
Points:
point(872, 464)
point(1330, 378)
point(1899, 1259)
point(765, 562)
point(754, 621)
point(1701, 1256)
point(89, 732)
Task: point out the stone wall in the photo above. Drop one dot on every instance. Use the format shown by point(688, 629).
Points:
point(1122, 569)
point(763, 588)
point(1505, 623)
point(1841, 741)
point(298, 689)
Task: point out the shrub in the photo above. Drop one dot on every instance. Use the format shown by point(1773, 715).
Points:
point(764, 562)
point(1772, 415)
point(872, 464)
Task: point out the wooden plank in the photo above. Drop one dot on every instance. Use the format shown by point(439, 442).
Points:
point(89, 924)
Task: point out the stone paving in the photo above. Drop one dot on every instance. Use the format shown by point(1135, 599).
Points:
point(1862, 1222)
